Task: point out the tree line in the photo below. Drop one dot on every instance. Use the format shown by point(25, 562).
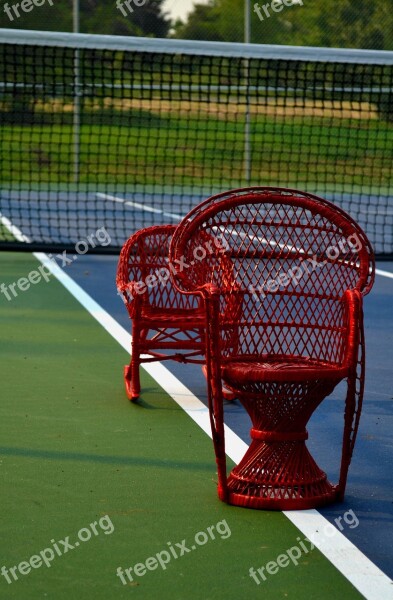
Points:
point(343, 24)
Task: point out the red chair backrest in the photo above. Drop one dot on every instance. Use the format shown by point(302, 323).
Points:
point(293, 257)
point(144, 259)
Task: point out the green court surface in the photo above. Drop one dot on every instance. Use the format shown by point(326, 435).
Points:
point(74, 451)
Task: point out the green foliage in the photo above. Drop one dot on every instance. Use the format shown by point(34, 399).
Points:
point(346, 24)
point(57, 17)
point(96, 16)
point(343, 24)
point(223, 20)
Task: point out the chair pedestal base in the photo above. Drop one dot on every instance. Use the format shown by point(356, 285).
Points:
point(279, 476)
point(278, 472)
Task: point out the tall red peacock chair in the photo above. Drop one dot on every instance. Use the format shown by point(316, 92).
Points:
point(300, 269)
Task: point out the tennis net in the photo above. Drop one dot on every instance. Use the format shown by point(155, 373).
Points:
point(122, 133)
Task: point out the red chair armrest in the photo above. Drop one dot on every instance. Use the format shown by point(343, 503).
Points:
point(353, 301)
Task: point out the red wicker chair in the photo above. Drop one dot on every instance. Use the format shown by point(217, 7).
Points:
point(166, 325)
point(300, 268)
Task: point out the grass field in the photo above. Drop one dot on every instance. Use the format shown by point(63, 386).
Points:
point(142, 148)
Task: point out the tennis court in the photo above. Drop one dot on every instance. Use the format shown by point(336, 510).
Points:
point(75, 451)
point(103, 498)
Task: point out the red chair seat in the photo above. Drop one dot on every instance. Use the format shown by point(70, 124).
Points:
point(244, 374)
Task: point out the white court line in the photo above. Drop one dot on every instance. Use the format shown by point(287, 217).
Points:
point(139, 206)
point(366, 577)
point(15, 231)
point(384, 273)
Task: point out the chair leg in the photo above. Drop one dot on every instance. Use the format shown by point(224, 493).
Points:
point(131, 371)
point(216, 414)
point(131, 380)
point(349, 431)
point(135, 380)
point(127, 380)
